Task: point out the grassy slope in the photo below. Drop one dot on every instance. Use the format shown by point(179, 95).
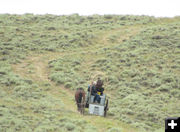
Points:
point(137, 56)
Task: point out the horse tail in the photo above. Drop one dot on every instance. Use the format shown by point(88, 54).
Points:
point(80, 97)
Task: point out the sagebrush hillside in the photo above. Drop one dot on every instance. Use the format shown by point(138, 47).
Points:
point(44, 58)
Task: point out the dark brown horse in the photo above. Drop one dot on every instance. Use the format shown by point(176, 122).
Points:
point(80, 99)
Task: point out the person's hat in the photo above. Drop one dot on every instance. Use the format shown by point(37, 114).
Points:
point(94, 82)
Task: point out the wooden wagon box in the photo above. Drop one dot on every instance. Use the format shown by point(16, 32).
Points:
point(96, 109)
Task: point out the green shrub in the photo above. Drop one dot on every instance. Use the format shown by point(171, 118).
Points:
point(164, 88)
point(58, 77)
point(70, 126)
point(114, 130)
point(68, 85)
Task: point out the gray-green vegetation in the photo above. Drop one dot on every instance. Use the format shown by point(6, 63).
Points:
point(44, 58)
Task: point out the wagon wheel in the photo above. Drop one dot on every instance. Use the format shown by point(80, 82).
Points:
point(106, 108)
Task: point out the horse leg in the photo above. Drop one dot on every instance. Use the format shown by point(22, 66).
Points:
point(83, 110)
point(79, 107)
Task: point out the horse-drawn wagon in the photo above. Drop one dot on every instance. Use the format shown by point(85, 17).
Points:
point(99, 107)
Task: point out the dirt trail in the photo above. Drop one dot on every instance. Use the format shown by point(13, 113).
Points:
point(121, 34)
point(36, 68)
